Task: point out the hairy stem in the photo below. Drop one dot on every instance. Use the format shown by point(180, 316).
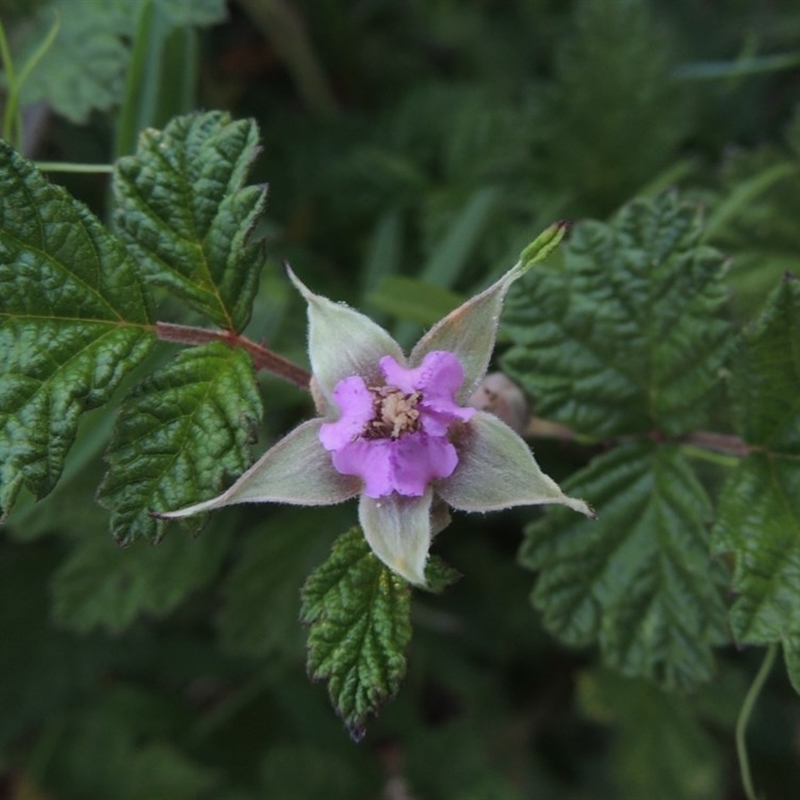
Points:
point(262, 357)
point(744, 717)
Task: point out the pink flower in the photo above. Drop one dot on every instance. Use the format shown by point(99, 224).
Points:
point(395, 431)
point(395, 436)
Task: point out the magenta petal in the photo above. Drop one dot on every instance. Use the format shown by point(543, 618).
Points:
point(418, 459)
point(370, 460)
point(438, 378)
point(355, 403)
point(406, 465)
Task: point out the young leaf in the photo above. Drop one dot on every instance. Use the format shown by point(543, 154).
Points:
point(627, 337)
point(758, 518)
point(74, 319)
point(359, 613)
point(185, 211)
point(178, 437)
point(103, 586)
point(639, 580)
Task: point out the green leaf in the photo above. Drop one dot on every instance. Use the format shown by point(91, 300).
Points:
point(101, 585)
point(758, 519)
point(85, 68)
point(358, 612)
point(74, 319)
point(627, 336)
point(766, 377)
point(183, 432)
point(638, 581)
point(660, 748)
point(185, 211)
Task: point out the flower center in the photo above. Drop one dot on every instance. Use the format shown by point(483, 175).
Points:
point(395, 413)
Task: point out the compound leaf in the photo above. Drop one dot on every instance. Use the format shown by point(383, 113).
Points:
point(639, 580)
point(626, 337)
point(181, 433)
point(358, 612)
point(184, 210)
point(74, 319)
point(101, 585)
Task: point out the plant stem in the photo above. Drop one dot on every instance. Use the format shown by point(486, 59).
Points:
point(744, 717)
point(68, 166)
point(262, 357)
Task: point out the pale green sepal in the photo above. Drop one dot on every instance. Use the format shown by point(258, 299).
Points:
point(343, 342)
point(398, 529)
point(297, 471)
point(470, 330)
point(496, 469)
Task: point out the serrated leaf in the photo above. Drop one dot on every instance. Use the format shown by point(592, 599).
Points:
point(101, 585)
point(660, 748)
point(85, 67)
point(74, 319)
point(638, 581)
point(179, 436)
point(358, 612)
point(765, 385)
point(184, 209)
point(627, 336)
point(758, 520)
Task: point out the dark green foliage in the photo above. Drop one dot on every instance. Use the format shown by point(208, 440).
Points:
point(638, 581)
point(181, 433)
point(73, 321)
point(358, 613)
point(412, 151)
point(627, 337)
point(184, 211)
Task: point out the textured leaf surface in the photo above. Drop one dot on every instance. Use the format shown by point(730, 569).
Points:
point(639, 580)
point(180, 435)
point(85, 67)
point(359, 616)
point(765, 384)
point(185, 211)
point(758, 518)
point(626, 337)
point(73, 321)
point(102, 585)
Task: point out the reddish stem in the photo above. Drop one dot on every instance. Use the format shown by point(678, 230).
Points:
point(262, 357)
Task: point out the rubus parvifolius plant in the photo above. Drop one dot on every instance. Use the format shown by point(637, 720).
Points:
point(624, 343)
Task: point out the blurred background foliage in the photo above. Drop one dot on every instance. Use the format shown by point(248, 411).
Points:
point(411, 149)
